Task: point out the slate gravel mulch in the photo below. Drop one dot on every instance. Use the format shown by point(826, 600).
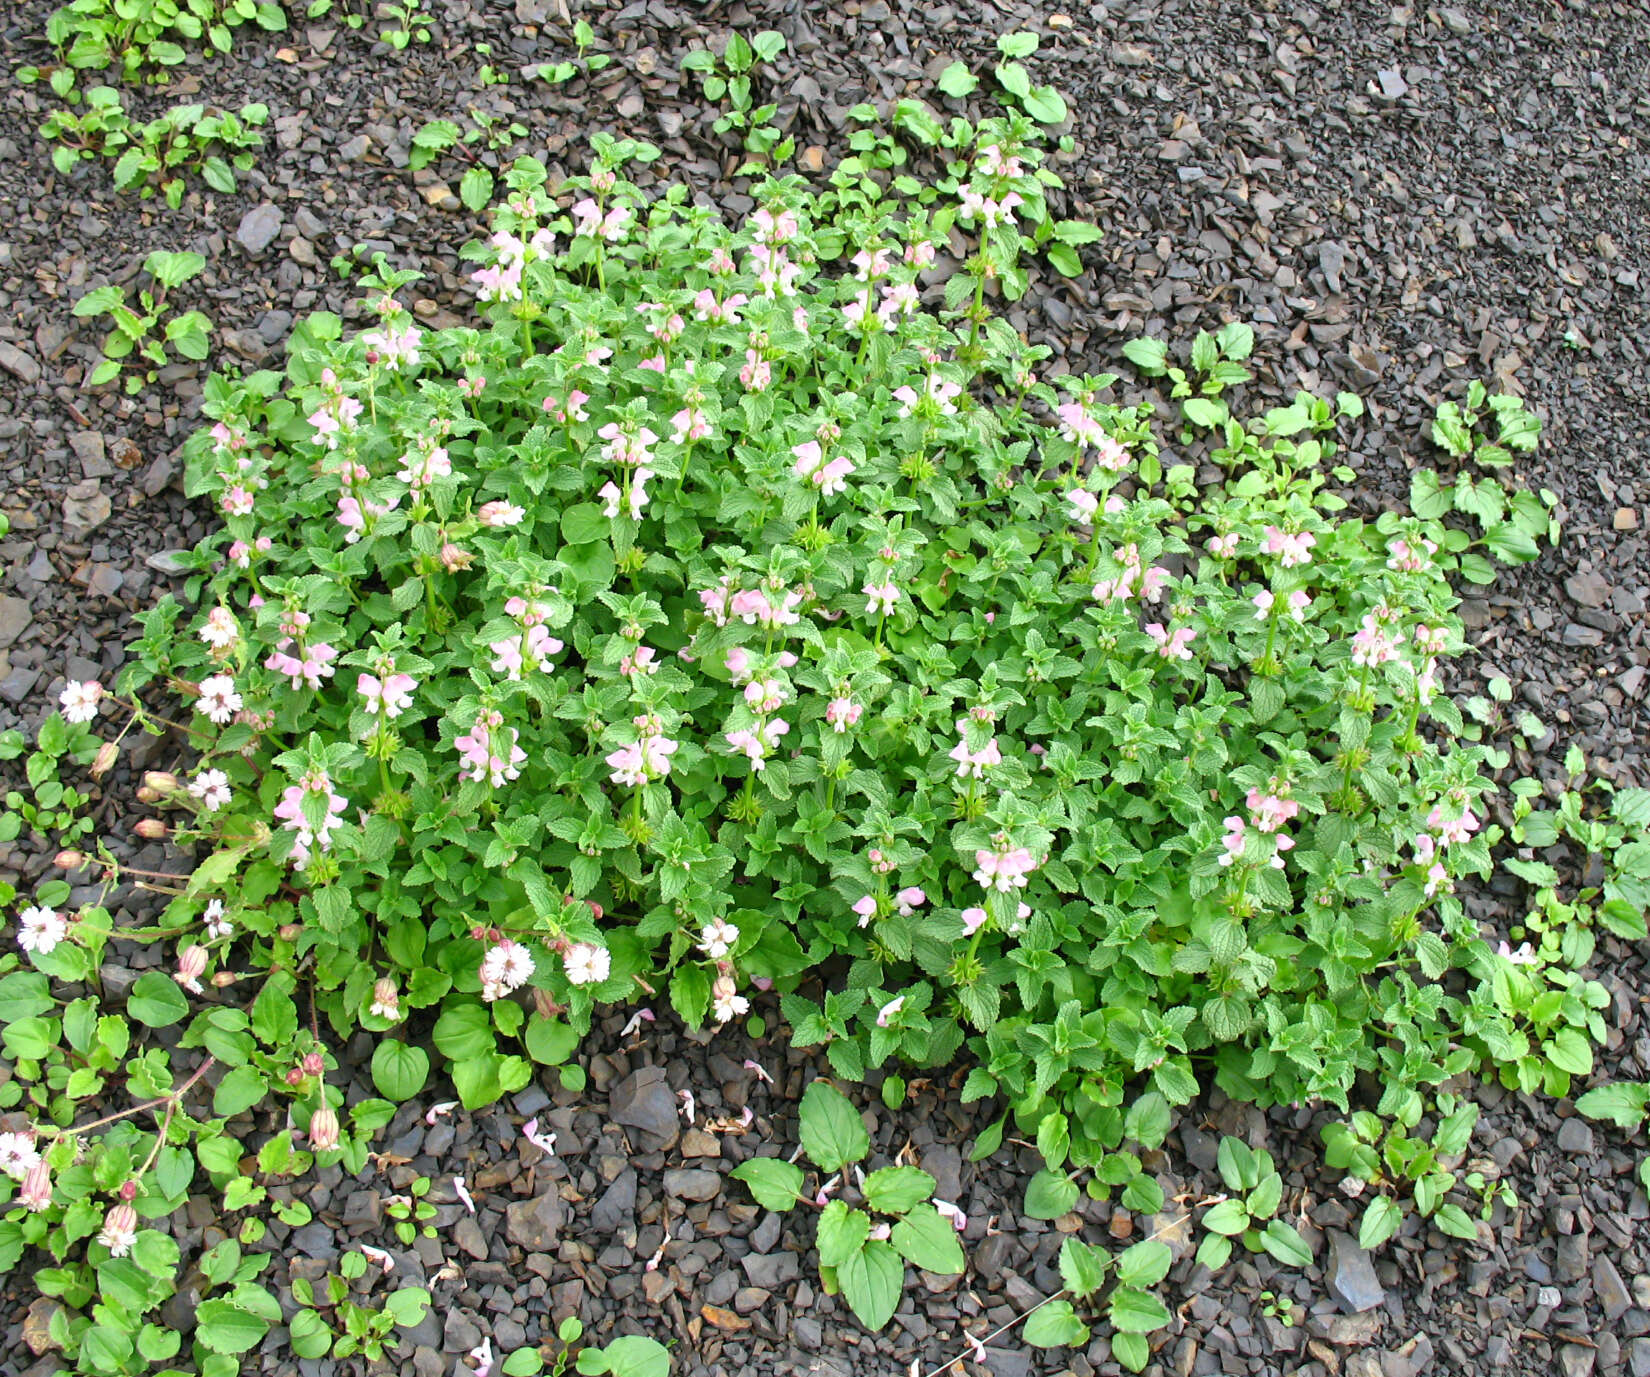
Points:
point(1400, 198)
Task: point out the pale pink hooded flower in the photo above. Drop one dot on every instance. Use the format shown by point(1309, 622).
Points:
point(79, 700)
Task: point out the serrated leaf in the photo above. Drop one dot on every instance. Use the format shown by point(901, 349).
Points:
point(1049, 1195)
point(871, 1282)
point(894, 1190)
point(774, 1184)
point(1055, 1325)
point(833, 1134)
point(842, 1233)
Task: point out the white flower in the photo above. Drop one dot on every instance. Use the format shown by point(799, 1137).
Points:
point(888, 1010)
point(218, 699)
point(716, 938)
point(219, 630)
point(211, 787)
point(216, 924)
point(119, 1230)
point(587, 964)
point(79, 700)
point(505, 968)
point(41, 929)
point(730, 1006)
point(17, 1154)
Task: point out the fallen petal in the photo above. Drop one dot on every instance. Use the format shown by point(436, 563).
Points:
point(463, 1192)
point(439, 1111)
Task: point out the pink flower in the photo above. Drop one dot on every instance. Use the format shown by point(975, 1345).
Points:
point(236, 501)
point(1223, 546)
point(866, 908)
point(889, 1010)
point(1405, 558)
point(946, 1210)
point(909, 900)
point(391, 695)
point(1175, 645)
point(738, 664)
point(642, 660)
point(1291, 550)
point(880, 597)
point(544, 1142)
point(119, 1230)
point(1371, 645)
point(500, 514)
point(1084, 504)
point(571, 410)
point(689, 424)
point(972, 920)
point(654, 363)
point(1233, 841)
point(756, 374)
point(842, 713)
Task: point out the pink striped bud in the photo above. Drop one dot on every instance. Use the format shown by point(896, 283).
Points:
point(107, 754)
point(150, 829)
point(323, 1129)
point(314, 1063)
point(36, 1193)
point(161, 781)
point(191, 963)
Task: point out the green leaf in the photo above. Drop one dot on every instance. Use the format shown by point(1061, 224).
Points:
point(1132, 1311)
point(1382, 1216)
point(927, 1239)
point(239, 1091)
point(1148, 1120)
point(399, 1069)
point(1570, 1051)
point(842, 1233)
point(156, 1001)
point(774, 1184)
point(636, 1355)
point(1017, 44)
point(1144, 1264)
point(1283, 1241)
point(1228, 1217)
point(957, 80)
point(1082, 1267)
point(1455, 1222)
point(1150, 356)
point(1624, 1104)
point(584, 524)
point(893, 1190)
point(464, 1032)
point(225, 1327)
point(1050, 1194)
point(550, 1041)
point(1045, 105)
point(1065, 260)
point(1055, 1325)
point(833, 1134)
point(1131, 1351)
point(871, 1282)
point(476, 188)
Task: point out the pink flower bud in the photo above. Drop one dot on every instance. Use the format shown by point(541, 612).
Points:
point(69, 860)
point(323, 1129)
point(36, 1193)
point(224, 979)
point(161, 781)
point(295, 1076)
point(119, 1229)
point(288, 932)
point(150, 829)
point(454, 558)
point(314, 1063)
point(128, 1190)
point(191, 962)
point(107, 754)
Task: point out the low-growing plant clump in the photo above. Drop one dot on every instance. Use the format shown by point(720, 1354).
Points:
point(713, 616)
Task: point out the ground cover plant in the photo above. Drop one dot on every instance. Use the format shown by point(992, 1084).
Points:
point(709, 613)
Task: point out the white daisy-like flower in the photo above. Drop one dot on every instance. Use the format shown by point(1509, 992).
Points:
point(41, 929)
point(17, 1154)
point(218, 699)
point(80, 700)
point(587, 964)
point(211, 787)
